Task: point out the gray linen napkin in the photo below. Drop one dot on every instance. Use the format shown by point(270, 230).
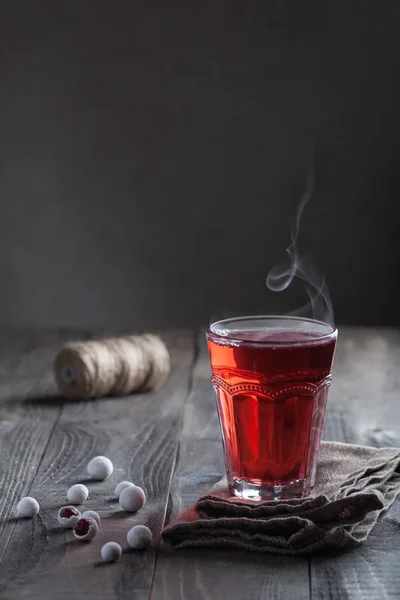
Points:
point(354, 484)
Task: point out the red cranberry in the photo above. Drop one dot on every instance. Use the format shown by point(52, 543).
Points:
point(86, 529)
point(82, 527)
point(68, 516)
point(68, 512)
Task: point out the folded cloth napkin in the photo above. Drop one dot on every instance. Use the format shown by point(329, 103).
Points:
point(354, 485)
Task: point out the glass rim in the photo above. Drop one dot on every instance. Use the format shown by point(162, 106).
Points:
point(231, 339)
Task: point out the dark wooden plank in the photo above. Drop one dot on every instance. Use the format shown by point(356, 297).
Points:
point(364, 407)
point(25, 373)
point(209, 574)
point(366, 382)
point(139, 433)
point(26, 358)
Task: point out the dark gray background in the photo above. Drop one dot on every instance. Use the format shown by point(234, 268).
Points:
point(153, 153)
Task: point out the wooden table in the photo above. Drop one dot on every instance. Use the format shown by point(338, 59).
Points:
point(168, 442)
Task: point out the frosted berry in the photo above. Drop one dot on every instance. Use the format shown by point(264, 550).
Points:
point(85, 529)
point(132, 498)
point(100, 467)
point(28, 507)
point(111, 552)
point(121, 486)
point(139, 537)
point(91, 514)
point(68, 516)
point(77, 493)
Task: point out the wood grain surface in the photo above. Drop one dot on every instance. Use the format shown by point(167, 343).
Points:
point(25, 424)
point(169, 443)
point(364, 408)
point(218, 574)
point(140, 435)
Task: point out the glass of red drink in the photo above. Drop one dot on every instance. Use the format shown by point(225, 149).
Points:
point(271, 376)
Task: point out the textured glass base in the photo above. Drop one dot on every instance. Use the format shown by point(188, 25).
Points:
point(252, 491)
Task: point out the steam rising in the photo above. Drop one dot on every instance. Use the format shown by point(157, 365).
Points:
point(281, 276)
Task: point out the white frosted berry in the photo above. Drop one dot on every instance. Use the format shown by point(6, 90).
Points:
point(77, 493)
point(111, 552)
point(139, 537)
point(132, 498)
point(85, 529)
point(100, 467)
point(28, 507)
point(68, 516)
point(91, 514)
point(121, 486)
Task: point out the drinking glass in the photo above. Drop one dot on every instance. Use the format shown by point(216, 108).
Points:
point(271, 375)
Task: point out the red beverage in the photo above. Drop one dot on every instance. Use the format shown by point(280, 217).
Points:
point(271, 376)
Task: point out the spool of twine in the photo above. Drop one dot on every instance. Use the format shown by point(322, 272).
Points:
point(111, 367)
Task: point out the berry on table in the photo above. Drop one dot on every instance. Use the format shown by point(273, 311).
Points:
point(28, 507)
point(68, 516)
point(91, 514)
point(139, 537)
point(132, 498)
point(121, 486)
point(111, 551)
point(77, 493)
point(85, 529)
point(100, 467)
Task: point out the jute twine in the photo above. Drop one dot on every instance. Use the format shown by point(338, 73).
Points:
point(111, 367)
